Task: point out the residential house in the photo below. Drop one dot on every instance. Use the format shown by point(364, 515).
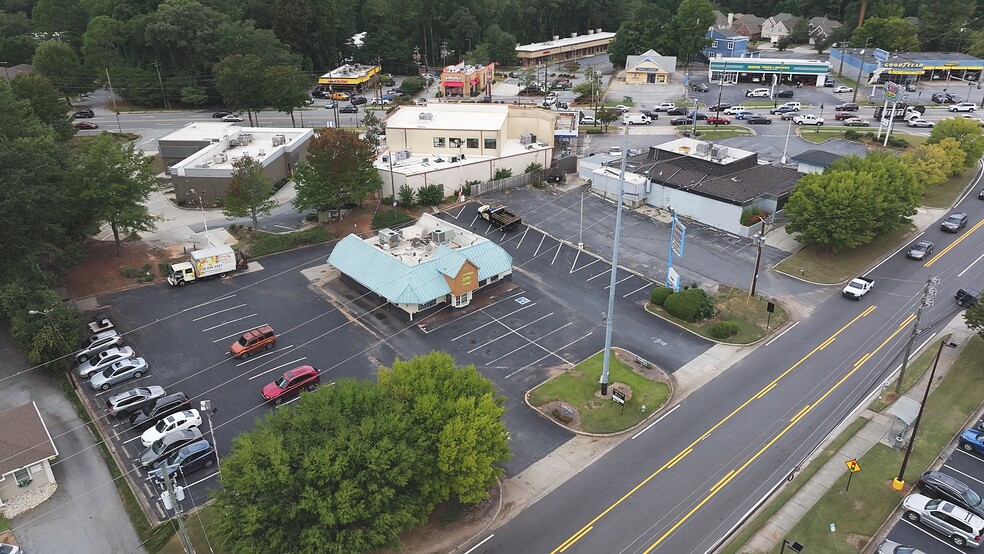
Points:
point(25, 463)
point(779, 26)
point(822, 28)
point(725, 43)
point(748, 25)
point(649, 67)
point(814, 161)
point(721, 21)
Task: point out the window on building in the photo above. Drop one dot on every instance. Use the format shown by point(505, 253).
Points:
point(472, 143)
point(454, 142)
point(439, 142)
point(490, 144)
point(731, 45)
point(428, 304)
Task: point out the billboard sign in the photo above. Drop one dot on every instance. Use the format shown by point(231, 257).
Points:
point(891, 92)
point(881, 55)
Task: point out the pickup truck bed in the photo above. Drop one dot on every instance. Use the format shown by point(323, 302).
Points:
point(858, 287)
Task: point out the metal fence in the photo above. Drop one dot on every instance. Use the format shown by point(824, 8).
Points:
point(509, 182)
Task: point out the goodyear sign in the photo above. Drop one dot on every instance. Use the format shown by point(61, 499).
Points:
point(904, 68)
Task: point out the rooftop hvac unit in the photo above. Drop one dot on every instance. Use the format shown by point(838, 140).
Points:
point(245, 138)
point(442, 236)
point(719, 152)
point(702, 149)
point(401, 155)
point(389, 237)
point(261, 152)
point(526, 139)
point(426, 116)
point(279, 140)
point(233, 142)
point(220, 158)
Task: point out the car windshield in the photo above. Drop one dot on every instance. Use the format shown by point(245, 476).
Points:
point(282, 382)
point(242, 341)
point(953, 219)
point(972, 498)
point(933, 504)
point(158, 446)
point(162, 424)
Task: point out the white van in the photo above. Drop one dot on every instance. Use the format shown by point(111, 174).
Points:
point(635, 119)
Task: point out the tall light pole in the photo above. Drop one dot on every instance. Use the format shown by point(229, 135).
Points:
point(899, 481)
point(209, 411)
point(201, 204)
point(609, 315)
point(854, 99)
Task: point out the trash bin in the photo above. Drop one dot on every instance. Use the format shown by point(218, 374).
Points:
point(686, 134)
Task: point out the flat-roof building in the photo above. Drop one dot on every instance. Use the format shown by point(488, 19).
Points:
point(463, 80)
point(200, 155)
point(906, 67)
point(560, 50)
point(355, 77)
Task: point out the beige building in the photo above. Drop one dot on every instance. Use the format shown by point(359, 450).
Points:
point(451, 144)
point(199, 156)
point(463, 80)
point(649, 67)
point(560, 50)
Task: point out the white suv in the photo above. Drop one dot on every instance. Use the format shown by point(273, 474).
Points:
point(664, 106)
point(963, 107)
point(960, 526)
point(757, 93)
point(735, 109)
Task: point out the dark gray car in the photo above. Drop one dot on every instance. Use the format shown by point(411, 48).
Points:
point(954, 223)
point(936, 484)
point(167, 444)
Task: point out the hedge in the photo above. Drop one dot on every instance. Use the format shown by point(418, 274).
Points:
point(659, 295)
point(723, 329)
point(690, 305)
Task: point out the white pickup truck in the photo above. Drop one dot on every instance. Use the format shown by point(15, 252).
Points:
point(858, 287)
point(808, 119)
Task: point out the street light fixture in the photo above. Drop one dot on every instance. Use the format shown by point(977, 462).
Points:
point(899, 482)
point(208, 410)
point(201, 204)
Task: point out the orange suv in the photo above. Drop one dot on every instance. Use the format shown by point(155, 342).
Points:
point(261, 338)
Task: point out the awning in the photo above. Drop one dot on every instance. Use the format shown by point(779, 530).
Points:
point(453, 84)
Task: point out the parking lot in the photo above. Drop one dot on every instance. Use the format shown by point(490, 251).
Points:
point(967, 467)
point(549, 317)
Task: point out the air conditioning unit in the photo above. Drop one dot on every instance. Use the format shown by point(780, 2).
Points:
point(279, 140)
point(426, 116)
point(233, 142)
point(702, 149)
point(261, 152)
point(389, 237)
point(442, 236)
point(245, 138)
point(526, 139)
point(220, 158)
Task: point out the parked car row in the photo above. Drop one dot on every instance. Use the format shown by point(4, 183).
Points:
point(104, 361)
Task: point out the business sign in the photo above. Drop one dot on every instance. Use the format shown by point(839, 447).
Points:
point(799, 67)
point(891, 91)
point(618, 396)
point(881, 55)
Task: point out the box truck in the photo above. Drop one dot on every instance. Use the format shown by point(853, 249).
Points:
point(206, 264)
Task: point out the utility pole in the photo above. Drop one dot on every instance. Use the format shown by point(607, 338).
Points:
point(182, 531)
point(113, 96)
point(758, 257)
point(157, 66)
point(609, 315)
point(926, 300)
point(854, 98)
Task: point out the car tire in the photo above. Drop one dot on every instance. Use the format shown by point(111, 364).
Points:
point(244, 355)
point(104, 387)
point(83, 359)
point(268, 346)
point(911, 516)
point(278, 401)
point(181, 283)
point(966, 445)
point(138, 375)
point(312, 387)
point(209, 463)
point(958, 540)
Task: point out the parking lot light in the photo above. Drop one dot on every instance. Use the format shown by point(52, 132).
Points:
point(207, 409)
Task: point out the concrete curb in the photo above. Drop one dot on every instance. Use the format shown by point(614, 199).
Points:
point(488, 524)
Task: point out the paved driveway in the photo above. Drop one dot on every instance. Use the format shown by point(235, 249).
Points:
point(85, 515)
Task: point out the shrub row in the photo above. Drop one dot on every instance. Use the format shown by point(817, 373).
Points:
point(389, 218)
point(261, 244)
point(691, 304)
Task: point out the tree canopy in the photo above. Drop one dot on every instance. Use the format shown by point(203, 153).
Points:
point(348, 467)
point(338, 172)
point(249, 191)
point(967, 132)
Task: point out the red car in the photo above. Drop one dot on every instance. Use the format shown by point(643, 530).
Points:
point(840, 116)
point(85, 125)
point(718, 120)
point(291, 383)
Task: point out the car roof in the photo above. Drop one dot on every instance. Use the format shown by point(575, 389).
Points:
point(194, 447)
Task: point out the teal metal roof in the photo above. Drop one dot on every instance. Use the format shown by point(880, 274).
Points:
point(400, 283)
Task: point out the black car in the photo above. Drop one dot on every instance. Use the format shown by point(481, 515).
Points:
point(782, 110)
point(954, 223)
point(648, 113)
point(159, 409)
point(358, 100)
point(217, 115)
point(123, 404)
point(936, 484)
point(679, 110)
point(700, 87)
point(681, 121)
point(719, 107)
point(847, 107)
point(945, 98)
point(83, 113)
point(785, 94)
point(758, 120)
point(910, 87)
point(187, 459)
point(349, 109)
point(320, 94)
point(699, 116)
point(389, 83)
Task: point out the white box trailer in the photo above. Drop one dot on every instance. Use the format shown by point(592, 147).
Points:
point(206, 264)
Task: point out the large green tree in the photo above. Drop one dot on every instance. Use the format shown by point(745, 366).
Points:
point(114, 181)
point(46, 102)
point(967, 132)
point(689, 26)
point(931, 163)
point(899, 192)
point(248, 194)
point(894, 34)
point(240, 81)
point(338, 172)
point(286, 89)
point(974, 317)
point(57, 61)
point(833, 210)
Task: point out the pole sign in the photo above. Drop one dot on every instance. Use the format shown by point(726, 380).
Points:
point(891, 92)
point(853, 466)
point(881, 55)
point(618, 396)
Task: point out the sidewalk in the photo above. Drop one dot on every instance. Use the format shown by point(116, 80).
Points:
point(771, 534)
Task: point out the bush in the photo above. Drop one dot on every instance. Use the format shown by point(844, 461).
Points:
point(723, 329)
point(430, 195)
point(898, 142)
point(659, 294)
point(407, 196)
point(851, 134)
point(501, 173)
point(752, 216)
point(164, 269)
point(311, 218)
point(691, 305)
point(534, 166)
point(262, 244)
point(389, 218)
point(182, 203)
point(130, 272)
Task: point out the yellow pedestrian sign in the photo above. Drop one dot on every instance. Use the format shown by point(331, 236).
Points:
point(853, 466)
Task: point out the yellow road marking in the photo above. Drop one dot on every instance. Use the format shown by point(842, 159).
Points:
point(689, 447)
point(954, 243)
point(575, 538)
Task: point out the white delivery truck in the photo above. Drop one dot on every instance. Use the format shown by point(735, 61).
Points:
point(206, 264)
point(635, 119)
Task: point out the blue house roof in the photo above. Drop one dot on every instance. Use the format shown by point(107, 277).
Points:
point(416, 282)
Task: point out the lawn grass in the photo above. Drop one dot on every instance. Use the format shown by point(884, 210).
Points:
point(710, 132)
point(827, 132)
point(578, 387)
point(196, 523)
point(734, 304)
point(913, 372)
point(385, 217)
point(801, 479)
point(858, 513)
point(828, 268)
point(942, 196)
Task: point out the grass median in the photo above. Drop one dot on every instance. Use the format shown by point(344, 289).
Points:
point(857, 514)
point(830, 268)
point(578, 387)
point(733, 304)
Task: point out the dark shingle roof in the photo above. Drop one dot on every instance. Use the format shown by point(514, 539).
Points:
point(740, 187)
point(24, 439)
point(817, 157)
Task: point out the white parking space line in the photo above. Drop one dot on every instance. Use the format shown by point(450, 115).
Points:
point(559, 246)
point(542, 238)
point(516, 330)
point(569, 323)
point(929, 534)
point(474, 219)
point(258, 375)
point(606, 272)
point(472, 549)
point(218, 312)
point(637, 290)
point(530, 305)
point(522, 237)
point(970, 454)
point(252, 359)
point(203, 304)
point(577, 253)
point(619, 281)
point(583, 266)
point(454, 321)
point(554, 353)
point(283, 227)
point(967, 475)
point(788, 329)
point(237, 333)
point(455, 216)
point(972, 264)
point(227, 323)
